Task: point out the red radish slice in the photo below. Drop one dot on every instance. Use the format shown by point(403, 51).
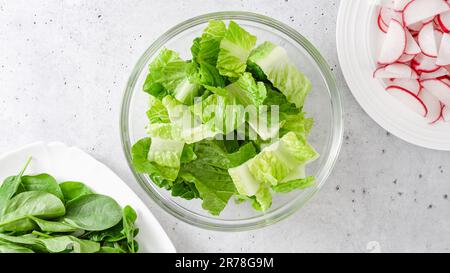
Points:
point(388, 14)
point(412, 48)
point(405, 58)
point(446, 113)
point(444, 21)
point(394, 43)
point(433, 105)
point(429, 20)
point(400, 5)
point(444, 51)
point(439, 89)
point(395, 71)
point(416, 27)
point(427, 40)
point(410, 100)
point(433, 75)
point(402, 70)
point(423, 63)
point(411, 85)
point(438, 36)
point(419, 10)
point(381, 25)
point(445, 80)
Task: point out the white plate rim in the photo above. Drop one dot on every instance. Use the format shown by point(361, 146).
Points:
point(147, 223)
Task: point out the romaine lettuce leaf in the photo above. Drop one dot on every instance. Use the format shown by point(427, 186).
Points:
point(209, 173)
point(247, 91)
point(157, 113)
point(298, 184)
point(164, 177)
point(209, 44)
point(235, 48)
point(166, 152)
point(169, 74)
point(280, 71)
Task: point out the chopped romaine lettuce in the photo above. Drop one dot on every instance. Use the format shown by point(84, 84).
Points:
point(229, 121)
point(235, 48)
point(274, 62)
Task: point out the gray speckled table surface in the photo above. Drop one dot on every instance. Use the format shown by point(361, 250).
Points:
point(63, 66)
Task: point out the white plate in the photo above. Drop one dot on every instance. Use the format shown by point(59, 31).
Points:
point(70, 163)
point(358, 40)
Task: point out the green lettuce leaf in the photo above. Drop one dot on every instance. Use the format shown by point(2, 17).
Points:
point(298, 184)
point(274, 62)
point(209, 173)
point(169, 74)
point(209, 44)
point(166, 152)
point(235, 48)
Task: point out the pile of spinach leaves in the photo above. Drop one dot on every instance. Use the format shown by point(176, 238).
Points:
point(39, 215)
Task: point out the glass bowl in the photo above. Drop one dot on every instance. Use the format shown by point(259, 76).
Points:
point(323, 104)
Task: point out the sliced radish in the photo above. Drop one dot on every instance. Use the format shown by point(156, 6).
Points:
point(405, 58)
point(427, 40)
point(410, 100)
point(416, 27)
point(395, 71)
point(423, 63)
point(389, 14)
point(444, 51)
point(438, 37)
point(381, 25)
point(446, 113)
point(433, 75)
point(445, 80)
point(399, 5)
point(411, 85)
point(419, 10)
point(412, 48)
point(433, 105)
point(394, 43)
point(439, 89)
point(444, 21)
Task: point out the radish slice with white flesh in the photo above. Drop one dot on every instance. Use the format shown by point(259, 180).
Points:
point(446, 113)
point(416, 27)
point(444, 21)
point(399, 5)
point(419, 10)
point(445, 80)
point(427, 40)
point(405, 58)
point(388, 14)
point(433, 105)
point(439, 89)
point(381, 25)
point(395, 71)
point(438, 35)
point(394, 43)
point(410, 100)
point(412, 48)
point(433, 75)
point(444, 51)
point(423, 63)
point(411, 85)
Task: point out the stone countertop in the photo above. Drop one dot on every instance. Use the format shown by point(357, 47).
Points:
point(63, 67)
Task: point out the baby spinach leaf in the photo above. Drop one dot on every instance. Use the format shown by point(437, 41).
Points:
point(69, 244)
point(13, 248)
point(42, 182)
point(9, 188)
point(30, 203)
point(72, 190)
point(129, 229)
point(51, 226)
point(93, 212)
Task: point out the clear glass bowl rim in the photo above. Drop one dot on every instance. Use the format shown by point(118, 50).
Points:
point(273, 216)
